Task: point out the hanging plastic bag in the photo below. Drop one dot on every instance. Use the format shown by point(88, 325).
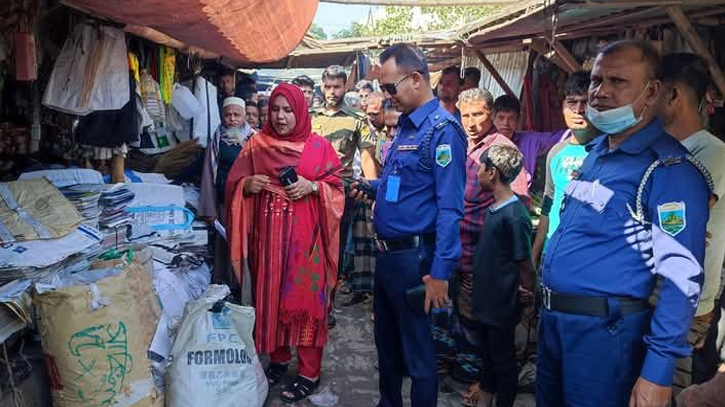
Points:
point(91, 73)
point(185, 102)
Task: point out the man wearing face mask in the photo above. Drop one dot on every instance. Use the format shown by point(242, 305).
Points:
point(622, 226)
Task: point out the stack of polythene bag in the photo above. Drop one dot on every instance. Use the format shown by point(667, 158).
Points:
point(114, 201)
point(39, 228)
point(85, 198)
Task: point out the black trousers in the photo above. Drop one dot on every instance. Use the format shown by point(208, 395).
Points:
point(500, 374)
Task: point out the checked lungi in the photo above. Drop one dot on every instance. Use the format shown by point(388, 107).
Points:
point(363, 234)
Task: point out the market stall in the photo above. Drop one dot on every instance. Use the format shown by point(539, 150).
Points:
point(105, 111)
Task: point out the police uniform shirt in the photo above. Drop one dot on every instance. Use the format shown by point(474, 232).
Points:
point(346, 129)
point(428, 197)
point(599, 249)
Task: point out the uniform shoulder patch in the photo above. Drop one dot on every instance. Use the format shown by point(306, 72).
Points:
point(443, 155)
point(672, 217)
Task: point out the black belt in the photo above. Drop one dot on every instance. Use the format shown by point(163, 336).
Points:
point(591, 306)
point(405, 243)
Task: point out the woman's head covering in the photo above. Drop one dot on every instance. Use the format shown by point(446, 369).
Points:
point(296, 100)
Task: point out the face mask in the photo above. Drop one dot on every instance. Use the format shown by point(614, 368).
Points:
point(615, 121)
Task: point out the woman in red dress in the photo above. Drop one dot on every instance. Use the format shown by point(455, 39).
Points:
point(288, 236)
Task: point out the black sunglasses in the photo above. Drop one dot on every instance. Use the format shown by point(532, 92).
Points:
point(392, 88)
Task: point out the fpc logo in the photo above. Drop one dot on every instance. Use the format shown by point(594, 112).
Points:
point(220, 320)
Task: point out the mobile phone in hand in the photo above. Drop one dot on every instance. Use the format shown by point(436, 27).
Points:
point(288, 176)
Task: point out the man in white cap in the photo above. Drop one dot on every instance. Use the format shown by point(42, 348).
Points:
point(221, 152)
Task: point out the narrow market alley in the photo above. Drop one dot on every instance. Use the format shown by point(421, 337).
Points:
point(349, 368)
point(533, 172)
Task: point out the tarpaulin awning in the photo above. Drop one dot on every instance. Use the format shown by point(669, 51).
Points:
point(242, 30)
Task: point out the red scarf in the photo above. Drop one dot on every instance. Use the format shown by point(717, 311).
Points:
point(289, 149)
point(293, 245)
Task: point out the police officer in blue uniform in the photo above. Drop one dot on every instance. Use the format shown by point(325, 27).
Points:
point(419, 202)
point(635, 213)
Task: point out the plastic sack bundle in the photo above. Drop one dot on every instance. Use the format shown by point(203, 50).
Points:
point(214, 361)
point(95, 338)
point(34, 209)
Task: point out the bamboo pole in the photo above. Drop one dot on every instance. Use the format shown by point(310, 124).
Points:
point(687, 31)
point(117, 168)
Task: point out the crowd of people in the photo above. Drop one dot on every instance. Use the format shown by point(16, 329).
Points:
point(416, 201)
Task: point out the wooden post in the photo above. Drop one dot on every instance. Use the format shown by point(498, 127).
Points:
point(687, 31)
point(494, 73)
point(557, 57)
point(566, 57)
point(117, 169)
point(441, 65)
point(290, 61)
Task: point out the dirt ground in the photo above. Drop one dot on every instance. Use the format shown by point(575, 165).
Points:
point(348, 368)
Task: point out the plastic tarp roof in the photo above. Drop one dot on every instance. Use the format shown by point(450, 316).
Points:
point(255, 31)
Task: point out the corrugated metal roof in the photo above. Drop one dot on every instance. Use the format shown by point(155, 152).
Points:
point(510, 65)
point(578, 18)
point(506, 30)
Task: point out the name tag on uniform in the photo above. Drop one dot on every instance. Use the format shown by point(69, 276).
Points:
point(408, 147)
point(392, 188)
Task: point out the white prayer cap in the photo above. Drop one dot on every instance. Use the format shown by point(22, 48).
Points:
point(233, 101)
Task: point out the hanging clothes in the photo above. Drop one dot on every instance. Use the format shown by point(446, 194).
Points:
point(111, 128)
point(167, 72)
point(151, 97)
point(91, 73)
point(134, 66)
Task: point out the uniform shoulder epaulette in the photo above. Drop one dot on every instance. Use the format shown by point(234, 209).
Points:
point(668, 154)
point(438, 123)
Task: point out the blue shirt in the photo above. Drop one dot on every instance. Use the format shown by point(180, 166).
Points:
point(429, 200)
point(564, 160)
point(599, 249)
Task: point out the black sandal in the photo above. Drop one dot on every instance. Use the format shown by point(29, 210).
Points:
point(275, 372)
point(300, 389)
